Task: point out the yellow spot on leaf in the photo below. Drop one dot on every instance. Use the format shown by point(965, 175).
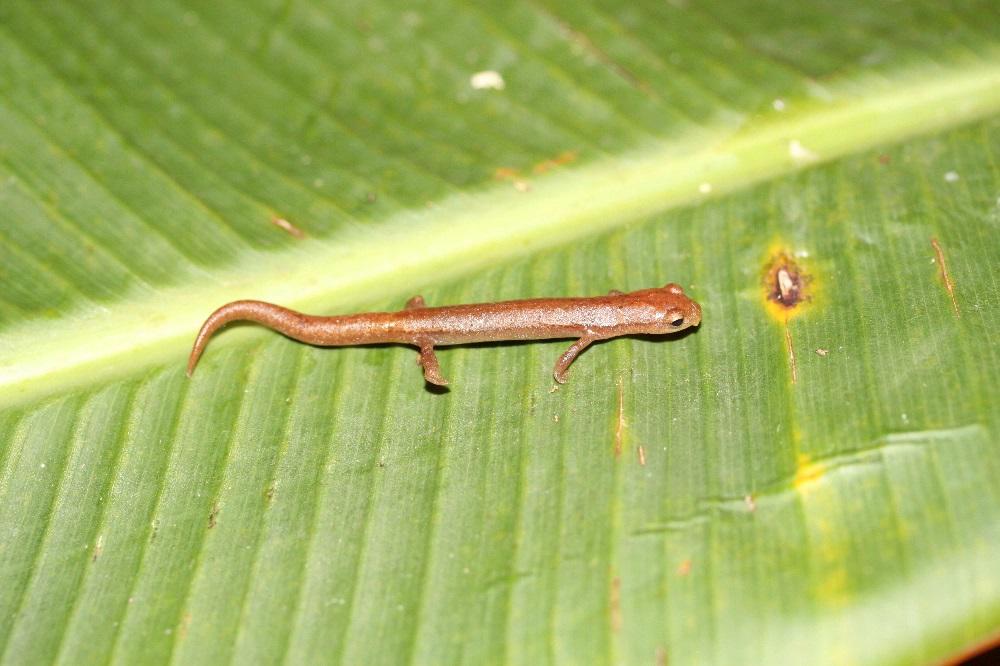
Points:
point(807, 473)
point(832, 590)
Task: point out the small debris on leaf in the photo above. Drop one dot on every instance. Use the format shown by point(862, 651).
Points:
point(800, 153)
point(487, 80)
point(285, 225)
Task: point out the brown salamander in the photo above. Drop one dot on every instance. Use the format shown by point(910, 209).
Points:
point(647, 311)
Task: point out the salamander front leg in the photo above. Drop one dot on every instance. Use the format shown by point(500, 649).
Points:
point(562, 365)
point(428, 360)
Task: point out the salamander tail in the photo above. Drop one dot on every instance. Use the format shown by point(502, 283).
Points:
point(268, 314)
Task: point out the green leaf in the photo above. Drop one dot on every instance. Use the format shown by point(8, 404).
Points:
point(787, 484)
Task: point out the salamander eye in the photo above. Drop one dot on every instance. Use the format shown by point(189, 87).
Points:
point(676, 320)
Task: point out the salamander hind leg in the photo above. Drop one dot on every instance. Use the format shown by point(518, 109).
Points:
point(429, 362)
point(415, 303)
point(562, 365)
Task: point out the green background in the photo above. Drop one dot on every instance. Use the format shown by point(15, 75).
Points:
point(678, 501)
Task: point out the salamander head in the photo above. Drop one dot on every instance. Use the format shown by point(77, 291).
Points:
point(673, 310)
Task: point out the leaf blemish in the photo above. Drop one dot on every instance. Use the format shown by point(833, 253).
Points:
point(945, 277)
point(562, 159)
point(791, 353)
point(213, 516)
point(786, 291)
point(288, 227)
point(807, 472)
point(615, 603)
point(785, 282)
point(513, 176)
point(182, 630)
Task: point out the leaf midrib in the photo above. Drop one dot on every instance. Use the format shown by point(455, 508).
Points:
point(466, 233)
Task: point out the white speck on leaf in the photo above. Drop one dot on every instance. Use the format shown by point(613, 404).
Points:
point(487, 80)
point(800, 153)
point(951, 177)
point(778, 104)
point(705, 188)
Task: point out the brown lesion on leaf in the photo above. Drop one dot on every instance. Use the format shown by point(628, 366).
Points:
point(949, 285)
point(787, 289)
point(785, 282)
